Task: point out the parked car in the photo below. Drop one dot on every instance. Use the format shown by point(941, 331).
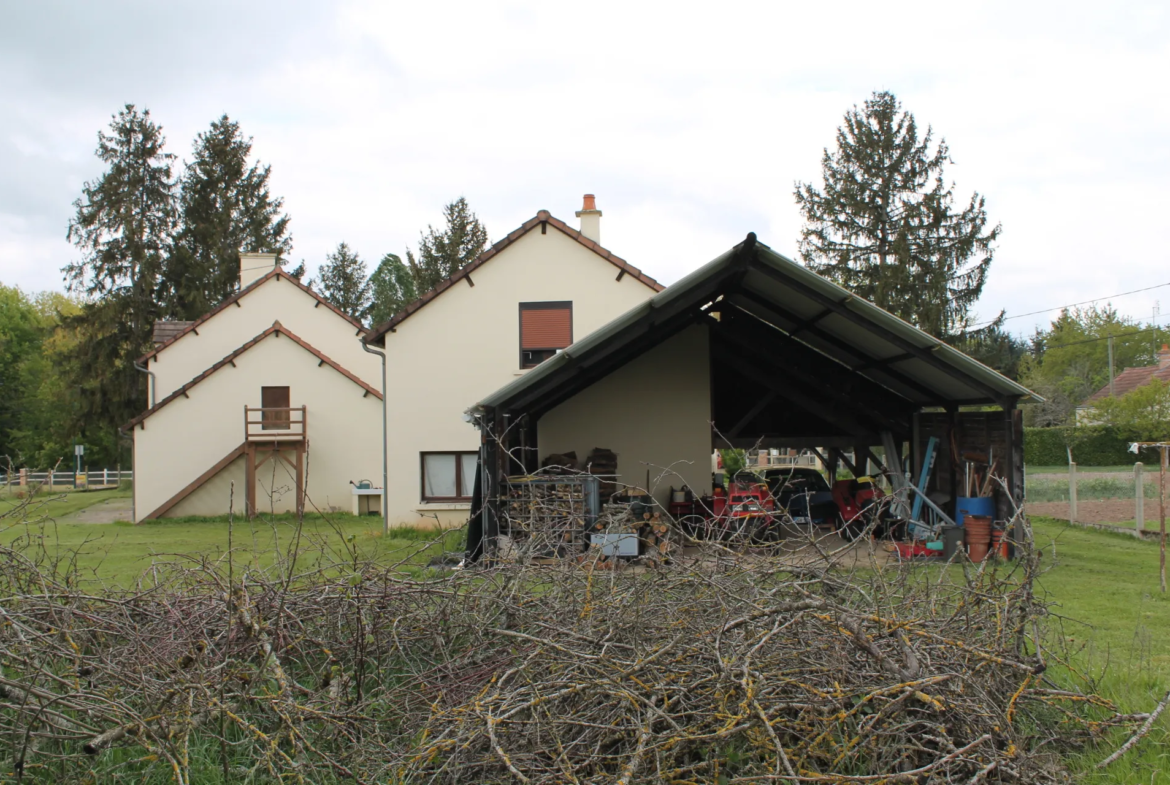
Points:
point(803, 493)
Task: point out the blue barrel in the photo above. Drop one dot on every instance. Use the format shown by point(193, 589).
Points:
point(976, 505)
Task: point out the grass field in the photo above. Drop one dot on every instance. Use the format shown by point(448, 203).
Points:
point(1105, 592)
point(121, 552)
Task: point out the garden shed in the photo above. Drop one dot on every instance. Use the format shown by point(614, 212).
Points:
point(751, 350)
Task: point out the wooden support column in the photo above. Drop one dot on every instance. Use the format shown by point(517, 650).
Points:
point(250, 481)
point(300, 478)
point(952, 447)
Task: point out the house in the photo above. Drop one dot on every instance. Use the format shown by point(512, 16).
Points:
point(518, 304)
point(1126, 382)
point(269, 393)
point(751, 351)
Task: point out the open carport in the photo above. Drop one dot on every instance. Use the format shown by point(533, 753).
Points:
point(751, 350)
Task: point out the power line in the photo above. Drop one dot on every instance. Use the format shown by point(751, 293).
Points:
point(1074, 305)
point(1106, 337)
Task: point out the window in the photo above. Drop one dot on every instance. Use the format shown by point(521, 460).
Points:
point(448, 476)
point(274, 404)
point(544, 328)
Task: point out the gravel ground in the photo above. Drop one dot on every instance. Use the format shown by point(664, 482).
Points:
point(103, 512)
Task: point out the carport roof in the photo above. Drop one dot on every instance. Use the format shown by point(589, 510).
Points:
point(754, 279)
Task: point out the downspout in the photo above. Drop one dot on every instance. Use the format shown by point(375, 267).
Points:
point(385, 470)
point(151, 383)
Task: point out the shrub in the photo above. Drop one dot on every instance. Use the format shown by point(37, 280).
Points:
point(1092, 445)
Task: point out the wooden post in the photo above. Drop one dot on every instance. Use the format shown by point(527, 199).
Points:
point(301, 479)
point(1139, 498)
point(1162, 516)
point(1072, 492)
point(250, 481)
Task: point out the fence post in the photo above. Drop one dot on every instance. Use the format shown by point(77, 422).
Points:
point(1072, 492)
point(1139, 498)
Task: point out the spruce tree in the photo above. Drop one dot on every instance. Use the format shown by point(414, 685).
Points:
point(885, 224)
point(122, 227)
point(342, 281)
point(225, 208)
point(443, 252)
point(392, 288)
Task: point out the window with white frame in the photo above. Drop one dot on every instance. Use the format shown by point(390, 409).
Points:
point(447, 476)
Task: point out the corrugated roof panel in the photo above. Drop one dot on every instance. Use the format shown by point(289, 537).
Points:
point(857, 333)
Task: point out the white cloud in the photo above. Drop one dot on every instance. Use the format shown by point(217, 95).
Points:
point(690, 122)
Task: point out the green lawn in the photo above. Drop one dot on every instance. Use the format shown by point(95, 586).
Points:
point(1106, 594)
point(121, 552)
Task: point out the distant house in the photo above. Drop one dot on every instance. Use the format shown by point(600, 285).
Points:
point(270, 392)
point(522, 301)
point(1125, 382)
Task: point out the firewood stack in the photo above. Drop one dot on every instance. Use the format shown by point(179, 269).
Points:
point(547, 515)
point(603, 462)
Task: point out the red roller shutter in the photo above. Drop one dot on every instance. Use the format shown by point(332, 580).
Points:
point(546, 325)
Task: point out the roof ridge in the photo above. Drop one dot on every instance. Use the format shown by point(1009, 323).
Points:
point(541, 217)
point(275, 329)
point(277, 273)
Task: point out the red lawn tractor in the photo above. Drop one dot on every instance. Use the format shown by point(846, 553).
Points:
point(744, 509)
point(860, 507)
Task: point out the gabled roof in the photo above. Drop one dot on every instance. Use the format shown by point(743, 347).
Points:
point(276, 329)
point(378, 332)
point(166, 330)
point(235, 298)
point(1129, 380)
point(800, 307)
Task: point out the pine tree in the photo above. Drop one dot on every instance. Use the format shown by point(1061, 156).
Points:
point(392, 288)
point(442, 253)
point(225, 208)
point(342, 281)
point(122, 227)
point(885, 227)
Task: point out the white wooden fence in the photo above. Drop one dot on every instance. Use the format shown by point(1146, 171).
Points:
point(93, 478)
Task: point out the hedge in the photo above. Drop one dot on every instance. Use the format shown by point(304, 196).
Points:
point(1092, 445)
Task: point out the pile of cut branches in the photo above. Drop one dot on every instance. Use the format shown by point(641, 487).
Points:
point(721, 666)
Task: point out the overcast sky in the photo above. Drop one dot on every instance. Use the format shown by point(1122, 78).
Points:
point(690, 121)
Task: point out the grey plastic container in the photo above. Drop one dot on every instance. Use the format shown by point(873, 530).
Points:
point(952, 537)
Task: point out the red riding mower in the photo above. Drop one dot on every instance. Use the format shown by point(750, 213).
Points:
point(860, 507)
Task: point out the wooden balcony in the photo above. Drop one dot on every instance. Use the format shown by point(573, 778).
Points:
point(275, 424)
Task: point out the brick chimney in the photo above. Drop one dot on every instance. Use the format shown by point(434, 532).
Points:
point(590, 219)
point(254, 266)
point(1164, 357)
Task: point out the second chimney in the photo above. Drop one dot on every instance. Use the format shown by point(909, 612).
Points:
point(590, 219)
point(254, 266)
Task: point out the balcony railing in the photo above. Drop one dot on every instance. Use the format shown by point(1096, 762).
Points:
point(267, 423)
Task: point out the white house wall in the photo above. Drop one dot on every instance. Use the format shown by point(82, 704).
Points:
point(653, 412)
point(275, 299)
point(466, 343)
point(191, 434)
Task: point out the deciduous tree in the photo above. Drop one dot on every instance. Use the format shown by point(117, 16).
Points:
point(885, 224)
point(392, 288)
